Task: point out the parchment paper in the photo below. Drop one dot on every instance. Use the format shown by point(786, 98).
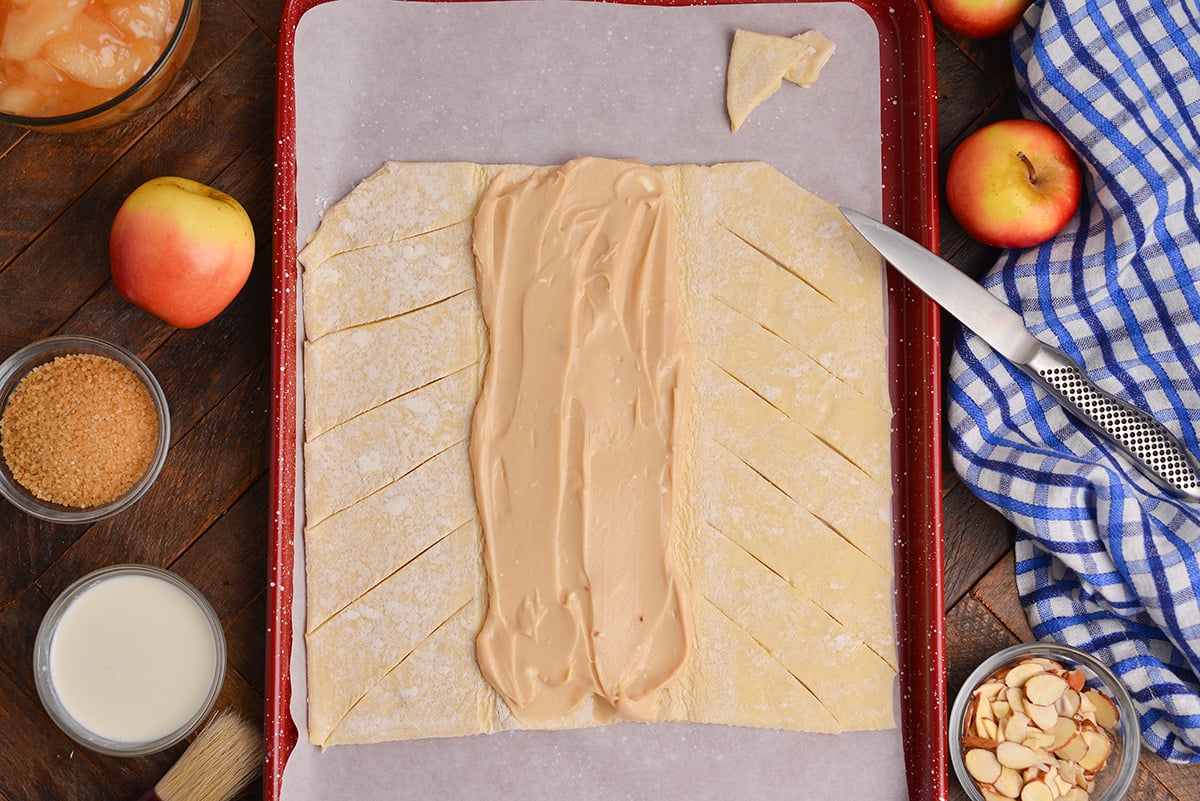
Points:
point(541, 82)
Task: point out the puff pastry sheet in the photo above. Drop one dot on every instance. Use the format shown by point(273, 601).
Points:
point(784, 520)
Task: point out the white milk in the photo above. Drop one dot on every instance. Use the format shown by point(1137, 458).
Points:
point(132, 658)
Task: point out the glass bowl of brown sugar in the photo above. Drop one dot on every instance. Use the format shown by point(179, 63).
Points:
point(84, 429)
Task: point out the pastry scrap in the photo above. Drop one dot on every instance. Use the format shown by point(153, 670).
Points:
point(808, 69)
point(781, 520)
point(760, 62)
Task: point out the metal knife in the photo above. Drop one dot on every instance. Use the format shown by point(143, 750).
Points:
point(1152, 448)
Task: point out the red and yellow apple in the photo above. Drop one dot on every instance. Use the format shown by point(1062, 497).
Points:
point(181, 250)
point(979, 19)
point(1014, 183)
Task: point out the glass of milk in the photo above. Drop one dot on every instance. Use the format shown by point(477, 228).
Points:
point(129, 660)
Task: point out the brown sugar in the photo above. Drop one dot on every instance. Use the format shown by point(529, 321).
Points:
point(79, 431)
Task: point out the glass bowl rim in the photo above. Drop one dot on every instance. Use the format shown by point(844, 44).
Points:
point(1129, 732)
point(45, 350)
point(92, 111)
point(41, 666)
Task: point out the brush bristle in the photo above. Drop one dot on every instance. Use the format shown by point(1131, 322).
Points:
point(225, 757)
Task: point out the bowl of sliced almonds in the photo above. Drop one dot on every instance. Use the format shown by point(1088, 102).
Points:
point(1044, 722)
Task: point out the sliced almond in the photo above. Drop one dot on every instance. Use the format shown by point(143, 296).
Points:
point(1048, 664)
point(1044, 717)
point(1073, 749)
point(1043, 689)
point(1068, 769)
point(1016, 728)
point(1068, 703)
point(1063, 730)
point(1009, 784)
point(989, 729)
point(1034, 732)
point(969, 717)
point(990, 689)
point(1037, 791)
point(979, 742)
point(1016, 700)
point(1098, 748)
point(1016, 756)
point(1017, 676)
point(983, 711)
point(1106, 711)
point(982, 764)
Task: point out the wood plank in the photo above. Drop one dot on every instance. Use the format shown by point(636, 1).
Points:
point(18, 628)
point(997, 590)
point(236, 100)
point(972, 635)
point(246, 632)
point(266, 15)
point(32, 169)
point(211, 525)
point(964, 90)
point(27, 546)
point(10, 135)
point(993, 56)
point(228, 564)
point(1182, 781)
point(224, 25)
point(975, 538)
point(38, 761)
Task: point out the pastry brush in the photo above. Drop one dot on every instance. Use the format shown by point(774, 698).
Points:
point(223, 759)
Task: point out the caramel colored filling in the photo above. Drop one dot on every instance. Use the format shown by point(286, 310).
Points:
point(576, 439)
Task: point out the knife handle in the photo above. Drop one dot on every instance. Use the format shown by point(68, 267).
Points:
point(1154, 449)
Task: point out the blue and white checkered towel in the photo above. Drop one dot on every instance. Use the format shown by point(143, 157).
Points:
point(1105, 560)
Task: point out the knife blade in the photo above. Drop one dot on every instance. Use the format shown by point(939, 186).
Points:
point(1152, 448)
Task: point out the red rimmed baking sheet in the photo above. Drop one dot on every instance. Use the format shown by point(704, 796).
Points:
point(908, 200)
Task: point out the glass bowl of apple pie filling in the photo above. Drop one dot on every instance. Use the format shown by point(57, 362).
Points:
point(77, 65)
point(1040, 721)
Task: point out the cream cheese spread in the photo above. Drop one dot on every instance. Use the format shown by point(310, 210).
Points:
point(576, 439)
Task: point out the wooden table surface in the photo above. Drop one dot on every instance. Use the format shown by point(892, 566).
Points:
point(206, 517)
